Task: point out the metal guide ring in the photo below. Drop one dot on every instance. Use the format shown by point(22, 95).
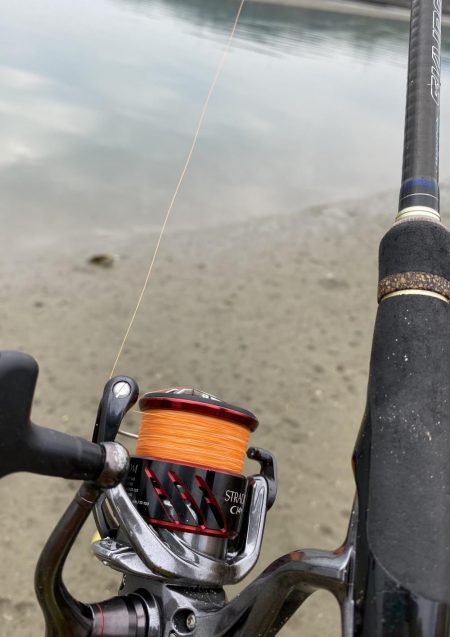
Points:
point(418, 211)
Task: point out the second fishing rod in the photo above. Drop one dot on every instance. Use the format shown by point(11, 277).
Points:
point(401, 459)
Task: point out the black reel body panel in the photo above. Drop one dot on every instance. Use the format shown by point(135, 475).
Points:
point(187, 498)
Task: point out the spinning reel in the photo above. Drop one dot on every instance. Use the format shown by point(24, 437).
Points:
point(179, 519)
point(185, 514)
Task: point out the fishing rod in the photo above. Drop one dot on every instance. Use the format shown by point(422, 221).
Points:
point(179, 518)
point(402, 553)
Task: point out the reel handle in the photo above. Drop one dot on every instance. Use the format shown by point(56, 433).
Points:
point(25, 446)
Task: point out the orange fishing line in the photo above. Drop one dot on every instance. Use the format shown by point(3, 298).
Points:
point(186, 437)
point(180, 182)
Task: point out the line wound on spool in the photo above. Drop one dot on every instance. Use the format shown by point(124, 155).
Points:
point(194, 428)
point(414, 281)
point(192, 438)
point(187, 474)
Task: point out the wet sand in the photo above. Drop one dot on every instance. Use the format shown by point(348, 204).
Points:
point(274, 315)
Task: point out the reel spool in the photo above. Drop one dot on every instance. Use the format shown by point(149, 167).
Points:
point(185, 510)
point(186, 475)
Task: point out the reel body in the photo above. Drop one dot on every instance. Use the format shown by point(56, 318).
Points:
point(190, 521)
point(189, 500)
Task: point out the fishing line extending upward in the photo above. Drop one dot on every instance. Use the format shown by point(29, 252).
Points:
point(180, 181)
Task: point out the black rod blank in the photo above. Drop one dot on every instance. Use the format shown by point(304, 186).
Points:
point(420, 185)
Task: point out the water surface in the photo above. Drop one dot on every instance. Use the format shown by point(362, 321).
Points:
point(99, 100)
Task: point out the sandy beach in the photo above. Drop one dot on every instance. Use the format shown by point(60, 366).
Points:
point(274, 315)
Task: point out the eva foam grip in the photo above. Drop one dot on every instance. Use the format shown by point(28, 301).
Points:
point(408, 448)
point(402, 456)
point(415, 246)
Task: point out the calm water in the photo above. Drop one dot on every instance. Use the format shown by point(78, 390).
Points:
point(99, 100)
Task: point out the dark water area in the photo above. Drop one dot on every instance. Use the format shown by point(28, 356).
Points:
point(99, 100)
point(404, 3)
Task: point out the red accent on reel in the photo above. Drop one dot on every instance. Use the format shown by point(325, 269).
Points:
point(194, 404)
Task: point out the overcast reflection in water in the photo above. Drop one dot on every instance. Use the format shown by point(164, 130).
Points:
point(99, 100)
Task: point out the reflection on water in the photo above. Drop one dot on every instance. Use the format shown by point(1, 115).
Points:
point(289, 29)
point(99, 100)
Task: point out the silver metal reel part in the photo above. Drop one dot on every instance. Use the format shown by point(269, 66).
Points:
point(142, 550)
